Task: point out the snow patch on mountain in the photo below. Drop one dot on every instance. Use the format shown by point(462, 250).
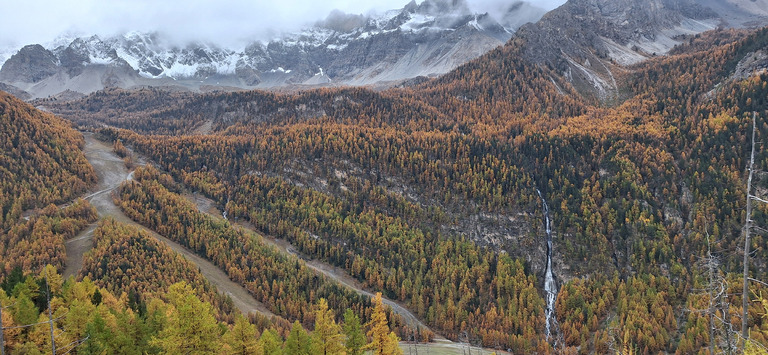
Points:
point(425, 39)
point(476, 25)
point(153, 57)
point(417, 22)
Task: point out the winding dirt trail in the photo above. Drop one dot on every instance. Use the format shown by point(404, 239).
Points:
point(112, 172)
point(439, 346)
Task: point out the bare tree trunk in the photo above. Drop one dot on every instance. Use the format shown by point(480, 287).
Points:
point(50, 314)
point(2, 342)
point(711, 290)
point(727, 328)
point(747, 227)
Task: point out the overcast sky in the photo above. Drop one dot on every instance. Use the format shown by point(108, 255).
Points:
point(227, 22)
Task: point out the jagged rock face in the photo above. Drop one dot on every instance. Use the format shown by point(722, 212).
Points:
point(425, 39)
point(73, 61)
point(586, 39)
point(754, 64)
point(31, 64)
point(443, 6)
point(625, 20)
point(580, 25)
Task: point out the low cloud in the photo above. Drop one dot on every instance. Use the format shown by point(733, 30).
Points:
point(491, 6)
point(225, 22)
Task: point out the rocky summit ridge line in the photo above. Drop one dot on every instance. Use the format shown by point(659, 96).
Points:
point(425, 39)
point(587, 42)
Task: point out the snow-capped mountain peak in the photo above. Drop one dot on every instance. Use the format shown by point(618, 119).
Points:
point(423, 39)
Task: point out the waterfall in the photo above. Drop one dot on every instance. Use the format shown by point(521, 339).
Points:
point(550, 287)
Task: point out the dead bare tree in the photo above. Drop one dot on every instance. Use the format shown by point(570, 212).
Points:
point(748, 226)
point(2, 342)
point(721, 332)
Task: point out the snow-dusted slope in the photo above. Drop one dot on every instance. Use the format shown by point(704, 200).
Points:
point(588, 40)
point(423, 39)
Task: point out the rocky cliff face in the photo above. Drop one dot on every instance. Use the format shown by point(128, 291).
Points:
point(425, 39)
point(31, 64)
point(586, 40)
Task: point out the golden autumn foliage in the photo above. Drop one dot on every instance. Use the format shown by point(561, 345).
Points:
point(39, 240)
point(128, 260)
point(381, 184)
point(283, 283)
point(93, 320)
point(390, 186)
point(40, 160)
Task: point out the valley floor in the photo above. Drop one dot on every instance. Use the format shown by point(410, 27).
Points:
point(112, 172)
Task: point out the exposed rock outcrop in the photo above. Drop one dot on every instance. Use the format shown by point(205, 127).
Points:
point(31, 64)
point(586, 40)
point(425, 39)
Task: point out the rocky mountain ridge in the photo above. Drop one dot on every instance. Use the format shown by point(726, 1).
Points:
point(588, 42)
point(425, 39)
point(591, 41)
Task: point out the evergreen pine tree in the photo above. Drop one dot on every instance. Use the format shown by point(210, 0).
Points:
point(327, 338)
point(383, 342)
point(298, 341)
point(242, 338)
point(356, 339)
point(191, 327)
point(269, 343)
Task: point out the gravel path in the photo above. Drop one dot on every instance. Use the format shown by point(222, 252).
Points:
point(112, 172)
point(439, 346)
point(206, 205)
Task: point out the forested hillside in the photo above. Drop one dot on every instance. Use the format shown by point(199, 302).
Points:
point(136, 294)
point(41, 164)
point(127, 260)
point(39, 240)
point(93, 320)
point(40, 160)
point(282, 282)
point(429, 194)
point(435, 196)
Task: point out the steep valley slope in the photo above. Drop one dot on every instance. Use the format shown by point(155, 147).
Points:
point(433, 193)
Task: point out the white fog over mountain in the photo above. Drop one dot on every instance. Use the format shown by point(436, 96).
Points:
point(382, 48)
point(239, 45)
point(229, 23)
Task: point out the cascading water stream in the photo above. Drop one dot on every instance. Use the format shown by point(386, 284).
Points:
point(550, 287)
